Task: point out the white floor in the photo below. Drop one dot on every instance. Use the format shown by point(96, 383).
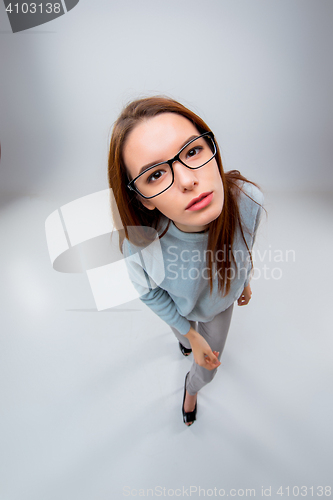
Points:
point(91, 401)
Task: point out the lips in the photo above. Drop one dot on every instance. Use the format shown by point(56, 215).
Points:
point(196, 200)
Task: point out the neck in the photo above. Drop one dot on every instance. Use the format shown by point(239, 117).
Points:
point(190, 229)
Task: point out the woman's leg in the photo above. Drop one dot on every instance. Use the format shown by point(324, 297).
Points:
point(215, 332)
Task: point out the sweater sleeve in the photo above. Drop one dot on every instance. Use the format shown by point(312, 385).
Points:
point(151, 294)
point(259, 198)
point(159, 301)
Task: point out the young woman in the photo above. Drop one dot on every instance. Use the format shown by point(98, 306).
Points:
point(166, 173)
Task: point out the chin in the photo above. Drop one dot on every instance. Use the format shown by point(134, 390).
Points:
point(214, 215)
point(212, 219)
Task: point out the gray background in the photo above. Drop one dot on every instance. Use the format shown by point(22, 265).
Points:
point(259, 72)
point(90, 402)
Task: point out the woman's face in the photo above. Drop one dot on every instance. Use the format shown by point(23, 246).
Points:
point(158, 139)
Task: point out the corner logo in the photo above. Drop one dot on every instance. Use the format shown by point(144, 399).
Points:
point(25, 15)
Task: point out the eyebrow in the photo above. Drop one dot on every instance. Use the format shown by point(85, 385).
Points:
point(142, 169)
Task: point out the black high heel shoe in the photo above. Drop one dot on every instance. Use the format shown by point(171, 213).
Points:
point(184, 350)
point(189, 416)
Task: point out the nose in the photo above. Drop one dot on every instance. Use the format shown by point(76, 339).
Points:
point(185, 178)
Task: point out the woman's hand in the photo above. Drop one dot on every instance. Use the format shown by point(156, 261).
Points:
point(245, 297)
point(202, 353)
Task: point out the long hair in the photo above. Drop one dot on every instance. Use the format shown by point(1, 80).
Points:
point(133, 213)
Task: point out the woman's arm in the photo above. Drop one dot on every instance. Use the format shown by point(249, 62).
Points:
point(245, 297)
point(155, 297)
point(160, 302)
point(202, 353)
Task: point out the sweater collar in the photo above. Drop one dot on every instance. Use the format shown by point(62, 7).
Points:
point(182, 235)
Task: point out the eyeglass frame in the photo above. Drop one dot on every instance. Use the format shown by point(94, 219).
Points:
point(131, 185)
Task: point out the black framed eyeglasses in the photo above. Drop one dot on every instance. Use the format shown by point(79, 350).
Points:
point(159, 177)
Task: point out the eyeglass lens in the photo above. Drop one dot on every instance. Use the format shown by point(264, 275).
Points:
point(157, 179)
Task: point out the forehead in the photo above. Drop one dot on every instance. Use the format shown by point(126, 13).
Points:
point(156, 139)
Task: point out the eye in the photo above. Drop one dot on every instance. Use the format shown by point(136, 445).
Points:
point(193, 152)
point(155, 176)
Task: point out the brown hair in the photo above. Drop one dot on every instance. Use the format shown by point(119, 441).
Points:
point(133, 213)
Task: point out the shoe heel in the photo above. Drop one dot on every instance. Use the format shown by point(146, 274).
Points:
point(189, 416)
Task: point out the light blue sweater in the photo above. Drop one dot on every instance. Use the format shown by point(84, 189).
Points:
point(180, 292)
